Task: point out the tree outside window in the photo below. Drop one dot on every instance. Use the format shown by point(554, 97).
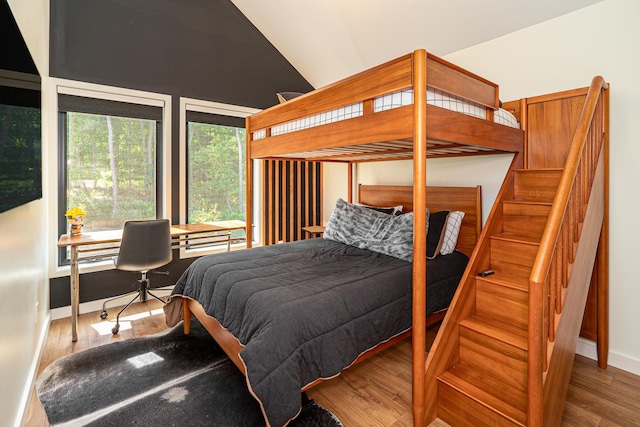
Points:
point(215, 172)
point(111, 169)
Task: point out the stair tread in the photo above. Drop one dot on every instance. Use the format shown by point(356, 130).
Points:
point(516, 238)
point(525, 202)
point(502, 279)
point(480, 387)
point(536, 170)
point(503, 331)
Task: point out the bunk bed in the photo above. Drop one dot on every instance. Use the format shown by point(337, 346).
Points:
point(384, 114)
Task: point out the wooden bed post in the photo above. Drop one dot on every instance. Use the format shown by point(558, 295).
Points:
point(602, 342)
point(249, 185)
point(419, 232)
point(186, 316)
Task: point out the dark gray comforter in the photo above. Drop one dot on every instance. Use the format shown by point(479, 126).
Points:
point(305, 310)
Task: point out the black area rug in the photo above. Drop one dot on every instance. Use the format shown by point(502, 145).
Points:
point(167, 379)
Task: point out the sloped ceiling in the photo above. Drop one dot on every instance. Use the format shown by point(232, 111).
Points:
point(330, 39)
point(15, 55)
point(203, 49)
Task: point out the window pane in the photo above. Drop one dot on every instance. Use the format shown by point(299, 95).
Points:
point(111, 169)
point(215, 173)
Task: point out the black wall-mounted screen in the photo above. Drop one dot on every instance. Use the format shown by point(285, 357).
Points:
point(20, 147)
point(20, 138)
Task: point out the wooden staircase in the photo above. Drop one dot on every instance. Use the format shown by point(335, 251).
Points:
point(504, 352)
point(490, 379)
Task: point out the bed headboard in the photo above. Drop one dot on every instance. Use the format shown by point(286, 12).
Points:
point(465, 199)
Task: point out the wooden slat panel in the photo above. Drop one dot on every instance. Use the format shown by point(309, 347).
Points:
point(292, 199)
point(277, 205)
point(266, 193)
point(291, 208)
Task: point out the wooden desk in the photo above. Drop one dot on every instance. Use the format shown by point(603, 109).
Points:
point(231, 225)
point(183, 236)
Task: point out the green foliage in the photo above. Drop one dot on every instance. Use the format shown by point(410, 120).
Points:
point(116, 182)
point(215, 173)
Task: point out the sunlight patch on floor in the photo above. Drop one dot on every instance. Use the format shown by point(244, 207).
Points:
point(145, 359)
point(103, 327)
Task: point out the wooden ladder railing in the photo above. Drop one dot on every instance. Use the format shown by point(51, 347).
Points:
point(553, 266)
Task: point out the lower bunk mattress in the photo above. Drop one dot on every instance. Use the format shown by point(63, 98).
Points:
point(306, 310)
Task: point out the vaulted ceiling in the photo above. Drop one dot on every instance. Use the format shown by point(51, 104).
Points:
point(327, 40)
point(14, 55)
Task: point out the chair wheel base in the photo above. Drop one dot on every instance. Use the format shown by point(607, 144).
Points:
point(103, 315)
point(115, 330)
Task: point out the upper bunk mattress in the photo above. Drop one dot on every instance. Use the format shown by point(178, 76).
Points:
point(444, 100)
point(389, 101)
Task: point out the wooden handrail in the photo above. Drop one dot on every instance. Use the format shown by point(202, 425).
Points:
point(551, 269)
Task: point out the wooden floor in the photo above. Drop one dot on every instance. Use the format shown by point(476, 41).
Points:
point(375, 393)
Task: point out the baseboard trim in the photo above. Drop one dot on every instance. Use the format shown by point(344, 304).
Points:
point(587, 348)
point(91, 306)
point(21, 417)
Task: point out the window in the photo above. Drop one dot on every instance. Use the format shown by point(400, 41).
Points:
point(216, 168)
point(215, 163)
point(110, 162)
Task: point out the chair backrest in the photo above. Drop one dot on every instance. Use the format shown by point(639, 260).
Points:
point(145, 245)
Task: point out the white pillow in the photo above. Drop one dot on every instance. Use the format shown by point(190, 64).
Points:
point(454, 221)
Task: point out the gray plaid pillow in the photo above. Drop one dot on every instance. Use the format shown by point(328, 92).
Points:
point(369, 229)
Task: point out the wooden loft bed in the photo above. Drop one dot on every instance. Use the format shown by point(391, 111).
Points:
point(414, 131)
point(305, 129)
point(388, 134)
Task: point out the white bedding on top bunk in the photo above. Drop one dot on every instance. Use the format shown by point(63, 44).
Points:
point(443, 100)
point(387, 102)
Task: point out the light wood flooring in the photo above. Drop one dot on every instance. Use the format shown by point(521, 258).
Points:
point(376, 392)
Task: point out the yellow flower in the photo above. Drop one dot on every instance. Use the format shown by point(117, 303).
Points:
point(74, 212)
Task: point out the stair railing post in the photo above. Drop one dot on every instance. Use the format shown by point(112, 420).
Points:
point(535, 348)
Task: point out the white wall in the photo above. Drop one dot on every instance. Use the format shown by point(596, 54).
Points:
point(487, 171)
point(23, 279)
point(567, 53)
point(561, 54)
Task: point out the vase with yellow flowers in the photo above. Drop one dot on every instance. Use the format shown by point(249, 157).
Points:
point(75, 217)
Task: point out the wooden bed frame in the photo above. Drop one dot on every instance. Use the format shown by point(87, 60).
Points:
point(466, 199)
point(413, 132)
point(446, 133)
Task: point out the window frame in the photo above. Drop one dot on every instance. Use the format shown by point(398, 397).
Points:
point(207, 107)
point(56, 151)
